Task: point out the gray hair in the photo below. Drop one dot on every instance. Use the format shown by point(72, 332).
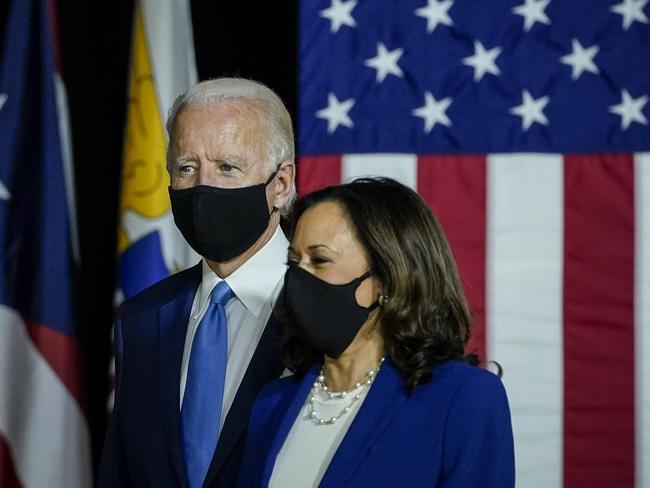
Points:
point(280, 139)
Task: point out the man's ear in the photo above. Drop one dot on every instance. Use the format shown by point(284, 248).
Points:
point(283, 183)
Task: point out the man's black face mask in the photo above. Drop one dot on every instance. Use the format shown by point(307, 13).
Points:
point(221, 223)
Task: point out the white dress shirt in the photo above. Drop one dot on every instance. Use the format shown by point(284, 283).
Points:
point(256, 285)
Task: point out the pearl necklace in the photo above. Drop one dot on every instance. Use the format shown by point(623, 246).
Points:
point(320, 383)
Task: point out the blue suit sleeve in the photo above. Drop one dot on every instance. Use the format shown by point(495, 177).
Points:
point(478, 446)
point(112, 469)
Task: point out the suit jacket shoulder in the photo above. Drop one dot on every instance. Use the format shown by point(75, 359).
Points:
point(161, 292)
point(454, 377)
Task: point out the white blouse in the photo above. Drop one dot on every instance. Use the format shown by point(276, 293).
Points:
point(309, 448)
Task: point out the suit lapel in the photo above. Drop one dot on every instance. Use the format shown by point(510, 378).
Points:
point(385, 398)
point(291, 413)
point(263, 368)
point(172, 321)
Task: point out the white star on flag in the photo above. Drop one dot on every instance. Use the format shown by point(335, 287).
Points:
point(631, 10)
point(336, 113)
point(531, 110)
point(4, 192)
point(483, 61)
point(581, 59)
point(630, 109)
point(339, 13)
point(533, 11)
point(385, 62)
point(436, 12)
point(433, 112)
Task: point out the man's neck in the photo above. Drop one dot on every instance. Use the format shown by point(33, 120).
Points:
point(226, 268)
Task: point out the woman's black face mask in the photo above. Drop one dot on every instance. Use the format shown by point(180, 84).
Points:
point(328, 315)
point(221, 223)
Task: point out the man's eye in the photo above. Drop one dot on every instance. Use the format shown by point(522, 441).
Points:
point(185, 169)
point(227, 168)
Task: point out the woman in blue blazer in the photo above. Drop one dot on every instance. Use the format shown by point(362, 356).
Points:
point(382, 391)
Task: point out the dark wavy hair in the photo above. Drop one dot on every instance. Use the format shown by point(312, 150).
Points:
point(425, 319)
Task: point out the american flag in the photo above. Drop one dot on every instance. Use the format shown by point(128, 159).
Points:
point(44, 437)
point(523, 123)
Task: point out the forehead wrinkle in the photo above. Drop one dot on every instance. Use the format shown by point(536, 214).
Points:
point(242, 127)
point(246, 127)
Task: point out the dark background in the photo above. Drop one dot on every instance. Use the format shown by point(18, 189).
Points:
point(254, 40)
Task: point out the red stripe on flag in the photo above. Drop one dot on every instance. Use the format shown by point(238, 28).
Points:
point(599, 321)
point(455, 188)
point(62, 354)
point(316, 172)
point(8, 478)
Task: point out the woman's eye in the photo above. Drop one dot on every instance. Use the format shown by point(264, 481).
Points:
point(319, 260)
point(185, 169)
point(227, 168)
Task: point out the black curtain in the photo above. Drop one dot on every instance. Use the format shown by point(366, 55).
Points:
point(253, 40)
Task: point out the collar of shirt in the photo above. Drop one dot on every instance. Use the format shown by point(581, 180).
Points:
point(254, 281)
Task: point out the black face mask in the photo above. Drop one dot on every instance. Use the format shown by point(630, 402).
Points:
point(328, 315)
point(221, 223)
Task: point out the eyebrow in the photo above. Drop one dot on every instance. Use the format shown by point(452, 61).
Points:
point(232, 160)
point(181, 160)
point(313, 247)
point(229, 159)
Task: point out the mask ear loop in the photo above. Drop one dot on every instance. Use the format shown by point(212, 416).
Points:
point(373, 306)
point(376, 303)
point(271, 178)
point(364, 276)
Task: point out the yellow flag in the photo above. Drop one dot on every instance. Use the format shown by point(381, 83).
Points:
point(149, 245)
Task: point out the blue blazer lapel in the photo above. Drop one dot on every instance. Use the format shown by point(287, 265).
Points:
point(263, 368)
point(173, 318)
point(291, 413)
point(385, 398)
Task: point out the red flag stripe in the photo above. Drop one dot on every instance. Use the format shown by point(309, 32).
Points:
point(62, 354)
point(599, 321)
point(316, 172)
point(455, 189)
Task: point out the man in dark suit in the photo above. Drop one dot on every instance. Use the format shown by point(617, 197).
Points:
point(194, 350)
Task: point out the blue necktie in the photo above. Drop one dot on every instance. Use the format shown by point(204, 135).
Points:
point(206, 374)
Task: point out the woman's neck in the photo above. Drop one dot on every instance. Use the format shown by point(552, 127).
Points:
point(363, 355)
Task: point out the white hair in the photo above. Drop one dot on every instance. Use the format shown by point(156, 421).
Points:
point(279, 136)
